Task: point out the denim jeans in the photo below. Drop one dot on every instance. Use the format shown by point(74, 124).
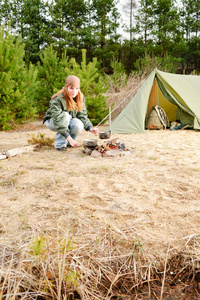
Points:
point(75, 127)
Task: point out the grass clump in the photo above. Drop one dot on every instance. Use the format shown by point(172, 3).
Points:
point(44, 269)
point(6, 182)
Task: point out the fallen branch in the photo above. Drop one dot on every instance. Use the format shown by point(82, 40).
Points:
point(9, 153)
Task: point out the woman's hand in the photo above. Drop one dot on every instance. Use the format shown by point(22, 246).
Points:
point(94, 130)
point(72, 142)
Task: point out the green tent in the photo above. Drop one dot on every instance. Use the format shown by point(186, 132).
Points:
point(178, 95)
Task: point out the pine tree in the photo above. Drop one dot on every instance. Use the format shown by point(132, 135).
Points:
point(145, 19)
point(165, 27)
point(128, 8)
point(51, 74)
point(30, 20)
point(190, 22)
point(105, 20)
point(17, 82)
point(68, 23)
point(5, 12)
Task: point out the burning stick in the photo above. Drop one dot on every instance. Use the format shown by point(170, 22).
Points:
point(112, 144)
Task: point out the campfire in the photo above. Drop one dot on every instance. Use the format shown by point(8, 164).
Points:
point(108, 148)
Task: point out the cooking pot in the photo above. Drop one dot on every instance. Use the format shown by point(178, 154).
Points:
point(104, 135)
point(90, 143)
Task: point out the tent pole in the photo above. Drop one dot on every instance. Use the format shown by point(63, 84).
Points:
point(157, 93)
point(109, 119)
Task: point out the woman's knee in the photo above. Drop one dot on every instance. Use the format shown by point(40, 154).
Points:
point(76, 125)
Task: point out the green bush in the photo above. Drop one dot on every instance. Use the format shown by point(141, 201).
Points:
point(145, 65)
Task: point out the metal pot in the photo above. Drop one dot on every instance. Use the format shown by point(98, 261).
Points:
point(90, 143)
point(104, 135)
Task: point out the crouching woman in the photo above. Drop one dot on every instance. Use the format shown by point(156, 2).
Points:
point(67, 114)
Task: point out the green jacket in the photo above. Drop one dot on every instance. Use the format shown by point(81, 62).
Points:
point(56, 111)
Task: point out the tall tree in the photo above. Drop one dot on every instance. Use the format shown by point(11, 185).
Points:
point(128, 8)
point(145, 19)
point(105, 18)
point(31, 21)
point(68, 19)
point(75, 14)
point(190, 21)
point(5, 12)
point(58, 25)
point(190, 12)
point(166, 25)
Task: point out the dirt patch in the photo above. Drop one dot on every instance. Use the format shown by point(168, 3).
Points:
point(149, 199)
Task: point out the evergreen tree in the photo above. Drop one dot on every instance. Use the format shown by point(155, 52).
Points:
point(51, 74)
point(105, 20)
point(68, 23)
point(5, 12)
point(58, 25)
point(190, 13)
point(129, 10)
point(145, 20)
point(17, 82)
point(30, 20)
point(166, 26)
point(75, 15)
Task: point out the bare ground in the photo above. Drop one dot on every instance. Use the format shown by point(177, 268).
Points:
point(149, 198)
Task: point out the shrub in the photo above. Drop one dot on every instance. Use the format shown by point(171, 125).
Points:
point(145, 65)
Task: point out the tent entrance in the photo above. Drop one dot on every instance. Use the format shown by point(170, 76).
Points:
point(156, 97)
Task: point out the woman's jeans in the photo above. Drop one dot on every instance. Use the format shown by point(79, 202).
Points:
point(75, 127)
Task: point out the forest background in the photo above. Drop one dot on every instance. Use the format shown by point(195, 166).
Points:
point(41, 42)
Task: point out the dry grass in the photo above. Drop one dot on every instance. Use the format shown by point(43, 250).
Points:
point(75, 227)
point(57, 266)
point(120, 99)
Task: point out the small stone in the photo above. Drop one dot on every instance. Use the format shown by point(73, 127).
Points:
point(88, 151)
point(124, 153)
point(96, 153)
point(112, 153)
